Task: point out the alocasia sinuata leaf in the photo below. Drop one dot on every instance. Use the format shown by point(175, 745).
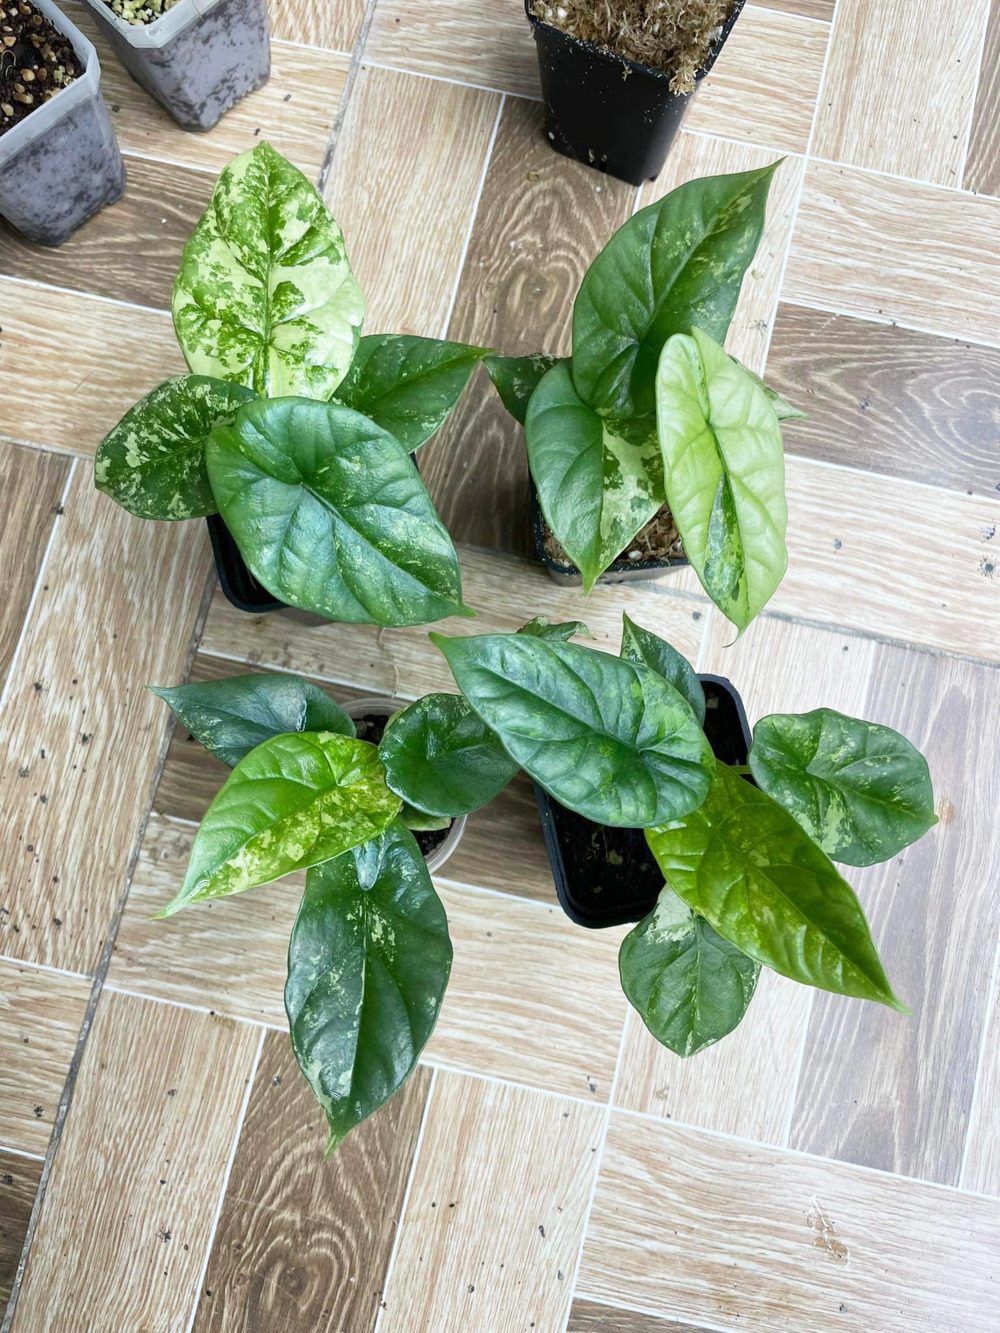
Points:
point(331, 516)
point(612, 741)
point(265, 296)
point(230, 717)
point(744, 864)
point(516, 378)
point(153, 462)
point(641, 645)
point(368, 963)
point(860, 790)
point(540, 628)
point(724, 470)
point(292, 802)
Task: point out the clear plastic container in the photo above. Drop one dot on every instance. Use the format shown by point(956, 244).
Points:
point(61, 164)
point(199, 59)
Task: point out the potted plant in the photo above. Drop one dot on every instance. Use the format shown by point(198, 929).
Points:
point(743, 849)
point(196, 57)
point(649, 445)
point(292, 433)
point(617, 79)
point(59, 159)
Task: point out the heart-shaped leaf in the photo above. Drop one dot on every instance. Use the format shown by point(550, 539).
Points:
point(724, 468)
point(599, 481)
point(744, 864)
point(608, 739)
point(441, 758)
point(860, 790)
point(232, 716)
point(368, 963)
point(265, 296)
point(293, 802)
point(331, 516)
point(153, 462)
point(516, 378)
point(408, 385)
point(689, 985)
point(677, 264)
point(540, 628)
point(640, 645)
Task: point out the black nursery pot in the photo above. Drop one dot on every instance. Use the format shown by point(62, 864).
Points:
point(619, 571)
point(238, 584)
point(606, 110)
point(608, 876)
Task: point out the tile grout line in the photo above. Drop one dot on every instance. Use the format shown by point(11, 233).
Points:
point(406, 1199)
point(992, 1005)
point(668, 1323)
point(357, 54)
point(890, 321)
point(43, 967)
point(974, 100)
point(21, 1152)
point(87, 295)
point(188, 1006)
point(457, 83)
point(227, 1172)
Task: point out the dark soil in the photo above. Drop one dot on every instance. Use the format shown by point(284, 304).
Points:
point(658, 542)
point(35, 61)
point(371, 727)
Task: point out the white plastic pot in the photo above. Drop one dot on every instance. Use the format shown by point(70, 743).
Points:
point(199, 59)
point(61, 163)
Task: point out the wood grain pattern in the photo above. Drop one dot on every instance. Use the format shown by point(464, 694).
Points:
point(19, 1178)
point(888, 399)
point(982, 165)
point(157, 1104)
point(40, 1017)
point(73, 365)
point(813, 9)
point(440, 39)
point(694, 155)
point(877, 1088)
point(539, 224)
point(696, 1227)
point(333, 26)
point(294, 111)
point(303, 1243)
point(745, 1085)
point(869, 245)
point(130, 252)
point(981, 1163)
point(403, 185)
point(117, 610)
point(496, 1211)
point(592, 1317)
point(513, 961)
point(31, 483)
point(898, 93)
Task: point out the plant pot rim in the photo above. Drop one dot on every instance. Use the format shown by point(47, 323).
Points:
point(640, 568)
point(386, 706)
point(605, 53)
point(161, 30)
point(87, 84)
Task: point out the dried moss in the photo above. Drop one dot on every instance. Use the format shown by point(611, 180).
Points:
point(675, 36)
point(140, 11)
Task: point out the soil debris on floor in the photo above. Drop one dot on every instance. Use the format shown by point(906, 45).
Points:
point(36, 61)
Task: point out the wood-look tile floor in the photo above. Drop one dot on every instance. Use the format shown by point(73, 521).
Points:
point(831, 1166)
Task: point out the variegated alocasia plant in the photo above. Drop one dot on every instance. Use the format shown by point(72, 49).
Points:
point(649, 411)
point(292, 426)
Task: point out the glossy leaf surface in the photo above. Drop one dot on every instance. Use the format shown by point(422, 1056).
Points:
point(564, 630)
point(641, 645)
point(516, 378)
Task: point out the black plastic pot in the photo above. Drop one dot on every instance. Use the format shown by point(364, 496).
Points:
point(607, 111)
point(635, 880)
point(619, 571)
point(238, 585)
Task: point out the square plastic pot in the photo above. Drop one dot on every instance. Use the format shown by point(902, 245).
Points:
point(620, 571)
point(61, 164)
point(199, 59)
point(630, 891)
point(606, 110)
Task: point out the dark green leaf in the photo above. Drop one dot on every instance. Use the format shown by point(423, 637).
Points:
point(516, 378)
point(540, 628)
point(421, 822)
point(293, 802)
point(608, 739)
point(725, 473)
point(862, 791)
point(744, 864)
point(677, 264)
point(689, 985)
point(331, 515)
point(440, 758)
point(408, 385)
point(153, 462)
point(232, 716)
point(599, 481)
point(640, 645)
point(368, 963)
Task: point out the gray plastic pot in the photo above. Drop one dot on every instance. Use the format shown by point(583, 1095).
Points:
point(199, 59)
point(61, 164)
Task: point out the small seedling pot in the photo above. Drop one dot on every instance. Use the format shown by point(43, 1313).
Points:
point(198, 59)
point(620, 571)
point(61, 164)
point(608, 876)
point(606, 110)
point(438, 845)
